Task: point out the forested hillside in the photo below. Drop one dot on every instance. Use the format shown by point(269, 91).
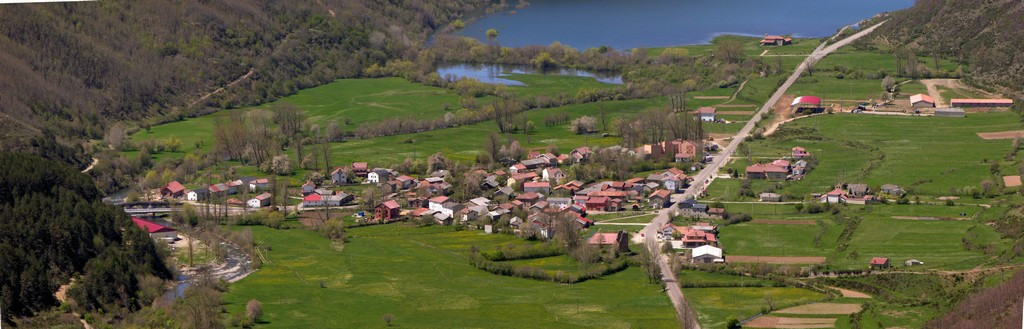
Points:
point(53, 227)
point(70, 69)
point(987, 35)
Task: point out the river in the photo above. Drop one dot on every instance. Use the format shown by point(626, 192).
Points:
point(624, 24)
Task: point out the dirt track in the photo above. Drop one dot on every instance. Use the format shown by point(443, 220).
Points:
point(1002, 134)
point(775, 259)
point(783, 222)
point(798, 323)
point(822, 308)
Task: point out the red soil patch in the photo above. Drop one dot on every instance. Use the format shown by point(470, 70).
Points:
point(783, 222)
point(798, 323)
point(851, 294)
point(775, 259)
point(1011, 181)
point(1002, 134)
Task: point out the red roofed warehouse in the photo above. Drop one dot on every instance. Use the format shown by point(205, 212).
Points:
point(971, 102)
point(922, 101)
point(155, 230)
point(879, 262)
point(810, 104)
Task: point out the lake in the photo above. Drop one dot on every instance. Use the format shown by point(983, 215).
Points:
point(625, 24)
point(496, 74)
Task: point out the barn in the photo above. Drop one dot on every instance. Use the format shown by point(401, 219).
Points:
point(810, 104)
point(974, 102)
point(920, 101)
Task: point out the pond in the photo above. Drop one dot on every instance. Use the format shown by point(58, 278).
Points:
point(499, 74)
point(659, 23)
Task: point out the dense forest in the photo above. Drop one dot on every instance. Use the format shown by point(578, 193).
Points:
point(69, 70)
point(53, 227)
point(987, 35)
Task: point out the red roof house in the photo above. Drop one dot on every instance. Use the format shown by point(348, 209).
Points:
point(173, 190)
point(155, 230)
point(387, 211)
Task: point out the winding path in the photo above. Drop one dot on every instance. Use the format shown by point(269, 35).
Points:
point(684, 313)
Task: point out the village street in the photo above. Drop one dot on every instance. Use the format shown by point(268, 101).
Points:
point(687, 317)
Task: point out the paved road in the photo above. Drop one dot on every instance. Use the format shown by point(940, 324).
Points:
point(684, 313)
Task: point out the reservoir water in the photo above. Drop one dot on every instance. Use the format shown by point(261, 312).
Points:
point(498, 74)
point(626, 24)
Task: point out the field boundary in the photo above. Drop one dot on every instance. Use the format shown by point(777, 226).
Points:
point(783, 222)
point(1001, 134)
point(776, 259)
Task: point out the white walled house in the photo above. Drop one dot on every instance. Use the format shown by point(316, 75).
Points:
point(259, 201)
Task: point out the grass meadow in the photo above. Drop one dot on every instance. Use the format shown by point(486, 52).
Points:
point(422, 277)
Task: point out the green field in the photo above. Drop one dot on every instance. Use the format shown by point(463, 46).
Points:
point(928, 155)
point(421, 275)
point(751, 239)
point(715, 306)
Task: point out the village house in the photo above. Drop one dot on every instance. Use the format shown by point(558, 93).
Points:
point(360, 169)
point(339, 176)
point(156, 231)
point(893, 190)
point(437, 203)
point(706, 255)
point(599, 203)
point(659, 199)
point(327, 199)
point(538, 187)
point(505, 192)
point(775, 40)
point(259, 184)
point(520, 178)
point(379, 175)
point(766, 171)
point(800, 153)
point(387, 211)
point(234, 185)
point(451, 208)
point(837, 196)
point(198, 194)
point(173, 190)
point(799, 168)
point(879, 263)
point(405, 181)
point(559, 203)
point(706, 113)
point(553, 175)
point(921, 101)
point(687, 237)
point(308, 188)
point(858, 190)
point(581, 154)
point(529, 198)
point(807, 104)
point(260, 201)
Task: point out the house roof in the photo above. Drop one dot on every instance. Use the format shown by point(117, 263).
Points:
point(837, 191)
point(766, 168)
point(807, 100)
point(151, 227)
point(528, 196)
point(438, 199)
point(360, 166)
point(598, 199)
point(920, 98)
point(261, 181)
point(312, 197)
point(536, 184)
point(390, 204)
point(781, 163)
point(879, 260)
point(175, 187)
point(263, 196)
point(404, 178)
point(664, 194)
point(706, 250)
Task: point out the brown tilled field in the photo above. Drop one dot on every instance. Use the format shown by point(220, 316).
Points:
point(822, 308)
point(776, 259)
point(1002, 134)
point(797, 323)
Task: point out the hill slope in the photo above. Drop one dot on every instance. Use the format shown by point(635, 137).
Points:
point(72, 68)
point(988, 35)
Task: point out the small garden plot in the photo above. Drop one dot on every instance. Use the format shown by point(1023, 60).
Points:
point(784, 322)
point(822, 308)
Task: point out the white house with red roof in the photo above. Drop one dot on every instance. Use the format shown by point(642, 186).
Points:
point(259, 201)
point(437, 203)
point(155, 230)
point(707, 113)
point(800, 153)
point(922, 101)
point(836, 196)
point(775, 40)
